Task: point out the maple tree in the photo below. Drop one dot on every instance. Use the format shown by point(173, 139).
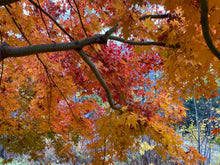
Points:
point(52, 51)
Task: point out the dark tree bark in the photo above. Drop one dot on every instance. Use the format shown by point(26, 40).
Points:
point(7, 2)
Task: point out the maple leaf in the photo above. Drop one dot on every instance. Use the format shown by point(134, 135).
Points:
point(216, 131)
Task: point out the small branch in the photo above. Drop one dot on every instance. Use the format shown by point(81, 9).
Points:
point(44, 21)
point(146, 43)
point(137, 42)
point(205, 28)
point(16, 24)
point(159, 16)
point(71, 5)
point(2, 62)
point(2, 72)
point(63, 30)
point(80, 18)
point(46, 70)
point(100, 79)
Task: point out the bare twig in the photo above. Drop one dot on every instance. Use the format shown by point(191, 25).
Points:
point(45, 68)
point(2, 62)
point(146, 43)
point(71, 5)
point(80, 18)
point(16, 24)
point(44, 21)
point(47, 14)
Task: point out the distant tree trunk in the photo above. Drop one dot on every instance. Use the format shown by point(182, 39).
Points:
point(209, 129)
point(198, 128)
point(2, 152)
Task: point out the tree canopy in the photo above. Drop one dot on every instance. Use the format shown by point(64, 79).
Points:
point(82, 70)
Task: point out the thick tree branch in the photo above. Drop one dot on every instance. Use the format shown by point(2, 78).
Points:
point(100, 79)
point(159, 16)
point(7, 2)
point(205, 28)
point(7, 51)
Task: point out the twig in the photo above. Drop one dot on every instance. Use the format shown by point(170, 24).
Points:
point(146, 43)
point(71, 5)
point(16, 24)
point(80, 18)
point(44, 21)
point(45, 68)
point(47, 14)
point(2, 62)
point(2, 72)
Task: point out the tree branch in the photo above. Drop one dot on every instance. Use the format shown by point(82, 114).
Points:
point(44, 21)
point(7, 2)
point(100, 79)
point(145, 43)
point(2, 62)
point(159, 16)
point(205, 28)
point(7, 51)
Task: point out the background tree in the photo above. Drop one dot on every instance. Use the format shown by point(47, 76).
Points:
point(202, 119)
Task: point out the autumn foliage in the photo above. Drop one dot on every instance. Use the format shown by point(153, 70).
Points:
point(97, 58)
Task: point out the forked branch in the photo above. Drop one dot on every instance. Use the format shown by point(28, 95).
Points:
point(100, 79)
